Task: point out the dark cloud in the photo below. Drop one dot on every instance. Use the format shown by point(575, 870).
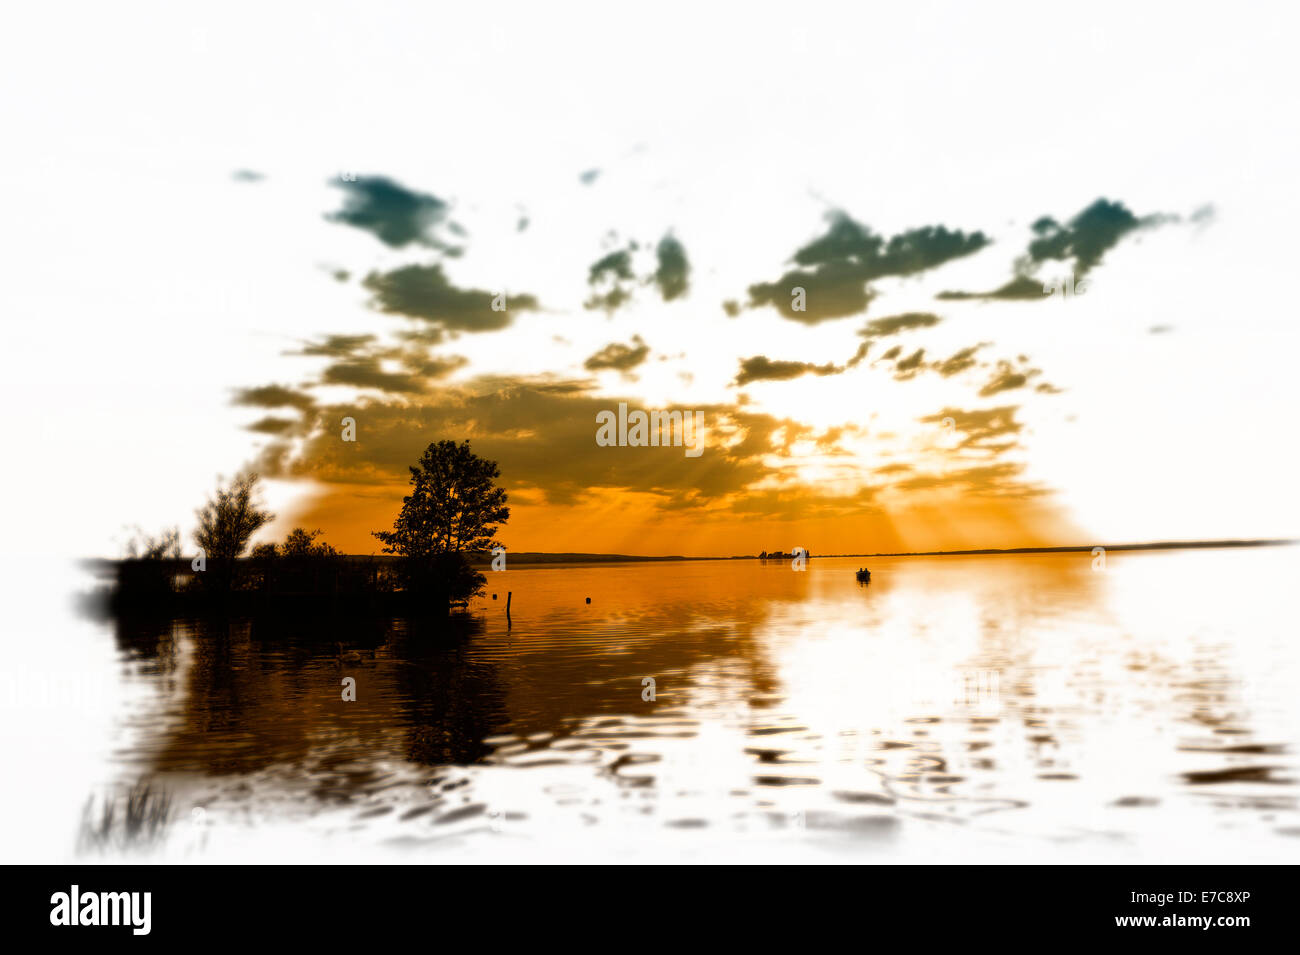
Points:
point(762, 368)
point(1085, 238)
point(1003, 381)
point(367, 373)
point(274, 396)
point(611, 278)
point(392, 213)
point(337, 346)
point(424, 335)
point(834, 269)
point(360, 363)
point(879, 328)
point(831, 291)
point(958, 362)
point(543, 434)
point(904, 254)
point(610, 301)
point(589, 176)
point(616, 265)
point(910, 366)
point(435, 366)
point(618, 356)
point(246, 175)
point(673, 273)
point(858, 355)
point(1007, 378)
point(1082, 241)
point(424, 291)
point(892, 325)
point(274, 426)
point(1019, 289)
point(358, 357)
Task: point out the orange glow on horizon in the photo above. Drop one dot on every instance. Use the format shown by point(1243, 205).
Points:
point(620, 522)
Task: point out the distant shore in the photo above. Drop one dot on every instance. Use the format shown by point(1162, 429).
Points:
point(537, 557)
point(1088, 548)
point(527, 558)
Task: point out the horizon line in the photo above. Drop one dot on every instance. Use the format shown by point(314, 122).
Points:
point(529, 556)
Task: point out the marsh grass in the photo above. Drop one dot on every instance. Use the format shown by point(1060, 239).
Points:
point(134, 821)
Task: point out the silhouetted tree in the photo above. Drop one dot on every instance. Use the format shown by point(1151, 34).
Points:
point(146, 571)
point(226, 522)
point(452, 511)
point(302, 543)
point(166, 546)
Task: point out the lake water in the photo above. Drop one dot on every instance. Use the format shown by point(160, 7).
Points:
point(1007, 708)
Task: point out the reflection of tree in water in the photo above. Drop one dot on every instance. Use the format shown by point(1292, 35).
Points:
point(222, 691)
point(149, 639)
point(263, 694)
point(266, 693)
point(453, 703)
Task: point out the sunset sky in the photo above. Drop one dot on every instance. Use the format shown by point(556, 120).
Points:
point(235, 241)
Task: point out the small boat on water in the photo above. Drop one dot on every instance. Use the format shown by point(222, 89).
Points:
point(864, 575)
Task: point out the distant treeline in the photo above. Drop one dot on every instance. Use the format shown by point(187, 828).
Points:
point(264, 582)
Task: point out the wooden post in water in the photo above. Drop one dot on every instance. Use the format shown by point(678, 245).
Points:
point(509, 593)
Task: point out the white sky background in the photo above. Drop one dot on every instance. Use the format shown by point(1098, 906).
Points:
point(142, 284)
